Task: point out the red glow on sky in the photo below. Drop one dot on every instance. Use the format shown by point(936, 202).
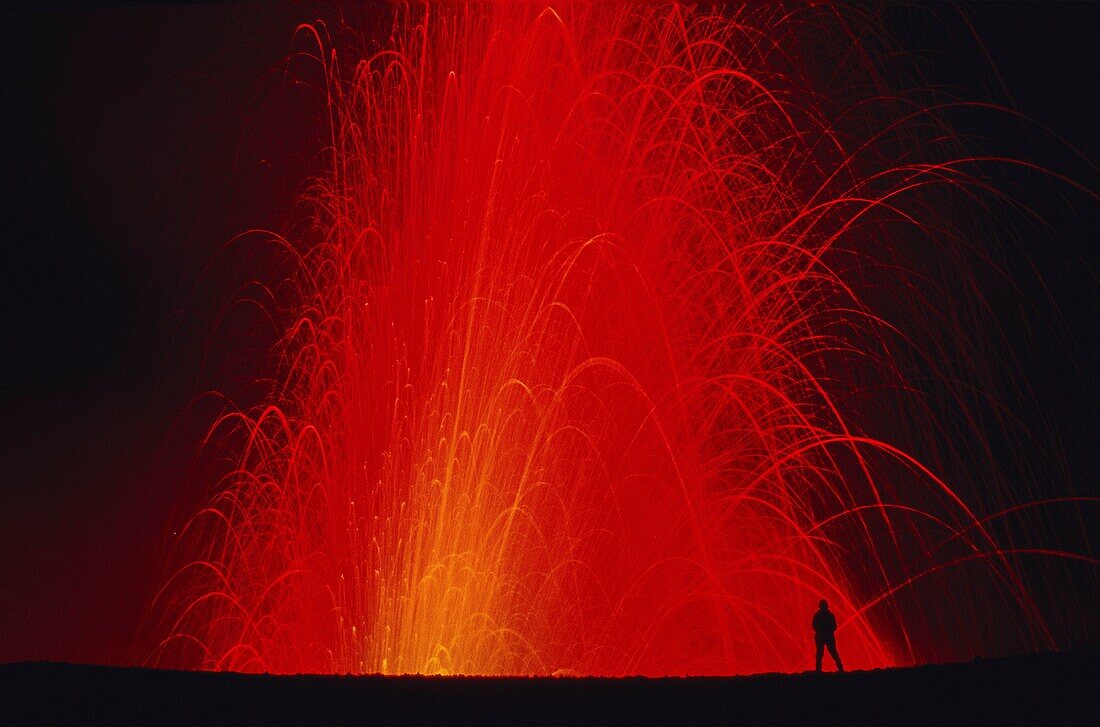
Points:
point(572, 373)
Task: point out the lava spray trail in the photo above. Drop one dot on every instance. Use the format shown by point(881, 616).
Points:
point(567, 382)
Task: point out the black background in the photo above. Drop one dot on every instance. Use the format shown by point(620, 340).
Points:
point(136, 141)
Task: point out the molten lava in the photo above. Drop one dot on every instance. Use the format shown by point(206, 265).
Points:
point(564, 386)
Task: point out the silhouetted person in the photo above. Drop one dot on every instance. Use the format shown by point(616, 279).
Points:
point(825, 634)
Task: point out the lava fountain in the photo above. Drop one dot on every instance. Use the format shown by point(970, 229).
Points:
point(562, 388)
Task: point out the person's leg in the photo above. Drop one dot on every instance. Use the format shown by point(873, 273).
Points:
point(820, 652)
point(836, 656)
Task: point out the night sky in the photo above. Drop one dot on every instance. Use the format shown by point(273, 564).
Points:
point(138, 140)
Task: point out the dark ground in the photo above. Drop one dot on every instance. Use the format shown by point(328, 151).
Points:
point(1047, 689)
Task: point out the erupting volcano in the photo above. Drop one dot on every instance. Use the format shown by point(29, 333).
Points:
point(584, 353)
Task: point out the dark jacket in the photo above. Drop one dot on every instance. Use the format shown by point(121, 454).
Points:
point(824, 625)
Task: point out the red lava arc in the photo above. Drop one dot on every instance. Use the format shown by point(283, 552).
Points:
point(563, 390)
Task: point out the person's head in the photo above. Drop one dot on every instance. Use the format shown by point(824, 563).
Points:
point(824, 605)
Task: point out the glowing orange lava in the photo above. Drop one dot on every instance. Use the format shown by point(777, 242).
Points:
point(558, 397)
